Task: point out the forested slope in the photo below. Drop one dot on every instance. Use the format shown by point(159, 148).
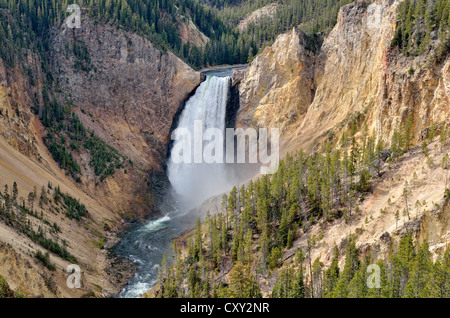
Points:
point(312, 229)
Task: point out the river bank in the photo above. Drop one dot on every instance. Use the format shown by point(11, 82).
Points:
point(119, 269)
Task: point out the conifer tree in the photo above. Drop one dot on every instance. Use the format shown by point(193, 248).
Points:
point(243, 283)
point(406, 194)
point(316, 287)
point(420, 278)
point(331, 276)
point(408, 133)
point(248, 247)
point(15, 192)
point(357, 287)
point(299, 290)
point(401, 265)
point(197, 248)
point(283, 230)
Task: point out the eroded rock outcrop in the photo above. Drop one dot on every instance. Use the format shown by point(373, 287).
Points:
point(17, 97)
point(189, 33)
point(409, 88)
point(265, 12)
point(279, 85)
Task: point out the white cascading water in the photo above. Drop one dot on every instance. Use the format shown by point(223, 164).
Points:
point(196, 182)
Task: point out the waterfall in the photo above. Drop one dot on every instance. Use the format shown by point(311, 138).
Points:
point(146, 244)
point(195, 182)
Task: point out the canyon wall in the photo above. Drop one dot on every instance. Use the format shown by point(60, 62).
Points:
point(129, 97)
point(279, 85)
point(311, 96)
point(17, 96)
point(128, 92)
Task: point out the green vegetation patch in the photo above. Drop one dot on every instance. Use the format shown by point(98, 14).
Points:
point(420, 22)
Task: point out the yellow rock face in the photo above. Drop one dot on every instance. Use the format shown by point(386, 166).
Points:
point(279, 85)
point(356, 70)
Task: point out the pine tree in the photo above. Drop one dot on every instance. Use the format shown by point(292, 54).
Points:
point(383, 291)
point(243, 283)
point(289, 239)
point(350, 267)
point(15, 192)
point(420, 277)
point(275, 258)
point(197, 248)
point(317, 274)
point(264, 246)
point(408, 133)
point(406, 194)
point(446, 270)
point(331, 276)
point(248, 247)
point(379, 161)
point(444, 136)
point(299, 290)
point(401, 265)
point(438, 288)
point(43, 199)
point(283, 230)
point(31, 199)
point(351, 261)
point(357, 287)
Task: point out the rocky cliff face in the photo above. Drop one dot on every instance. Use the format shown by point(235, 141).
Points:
point(128, 93)
point(189, 33)
point(132, 89)
point(17, 96)
point(355, 71)
point(265, 12)
point(279, 85)
point(410, 88)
